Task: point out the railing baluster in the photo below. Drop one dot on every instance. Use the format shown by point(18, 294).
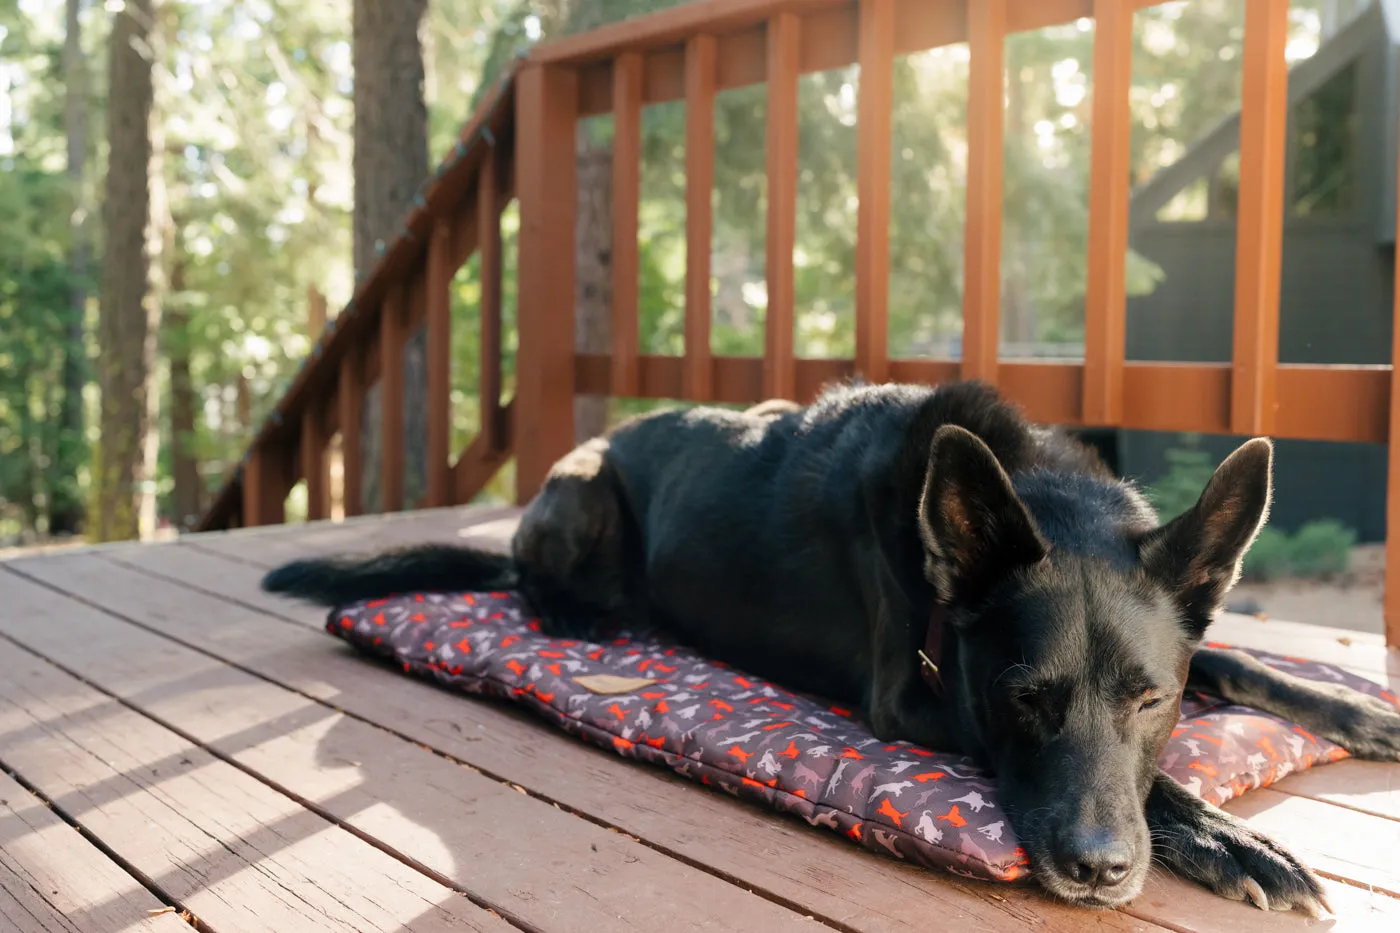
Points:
point(391, 427)
point(350, 400)
point(253, 483)
point(874, 125)
point(627, 193)
point(986, 34)
point(488, 239)
point(439, 311)
point(779, 367)
point(1259, 236)
point(264, 487)
point(1392, 492)
point(1105, 304)
point(547, 186)
point(699, 186)
point(313, 464)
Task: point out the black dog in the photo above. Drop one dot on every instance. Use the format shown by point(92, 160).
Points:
point(826, 547)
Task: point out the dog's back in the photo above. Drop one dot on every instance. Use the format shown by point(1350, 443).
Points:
point(750, 530)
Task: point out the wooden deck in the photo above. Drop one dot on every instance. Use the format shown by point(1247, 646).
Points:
point(227, 764)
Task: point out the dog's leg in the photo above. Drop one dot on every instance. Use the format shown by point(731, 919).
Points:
point(579, 561)
point(1363, 725)
point(1209, 846)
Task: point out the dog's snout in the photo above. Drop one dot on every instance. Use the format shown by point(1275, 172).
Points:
point(1096, 859)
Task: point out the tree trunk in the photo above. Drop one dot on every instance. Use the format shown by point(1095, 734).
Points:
point(391, 161)
point(593, 271)
point(188, 493)
point(123, 324)
point(66, 505)
point(160, 247)
point(592, 236)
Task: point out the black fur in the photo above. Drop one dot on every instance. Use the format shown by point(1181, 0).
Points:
point(809, 545)
point(336, 581)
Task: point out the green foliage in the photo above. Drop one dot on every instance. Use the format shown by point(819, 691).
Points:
point(1271, 556)
point(1317, 550)
point(1188, 470)
point(1322, 549)
point(254, 117)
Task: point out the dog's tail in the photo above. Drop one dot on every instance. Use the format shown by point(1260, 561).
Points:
point(335, 581)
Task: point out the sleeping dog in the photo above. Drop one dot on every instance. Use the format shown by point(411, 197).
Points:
point(973, 583)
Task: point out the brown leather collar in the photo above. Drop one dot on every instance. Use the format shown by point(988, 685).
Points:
point(931, 657)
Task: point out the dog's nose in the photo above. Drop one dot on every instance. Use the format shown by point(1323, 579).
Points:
point(1096, 859)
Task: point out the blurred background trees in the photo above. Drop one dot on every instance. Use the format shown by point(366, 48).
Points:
point(184, 183)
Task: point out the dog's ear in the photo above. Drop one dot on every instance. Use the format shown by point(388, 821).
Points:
point(1197, 555)
point(974, 527)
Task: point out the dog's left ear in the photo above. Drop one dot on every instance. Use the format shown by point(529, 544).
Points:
point(1197, 555)
point(974, 527)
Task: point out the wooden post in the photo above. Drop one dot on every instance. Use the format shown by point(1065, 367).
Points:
point(350, 399)
point(699, 186)
point(986, 34)
point(873, 156)
point(784, 48)
point(627, 193)
point(313, 464)
point(392, 334)
point(488, 239)
point(315, 313)
point(264, 487)
point(1392, 491)
point(1105, 304)
point(253, 485)
point(1259, 233)
point(439, 312)
point(546, 187)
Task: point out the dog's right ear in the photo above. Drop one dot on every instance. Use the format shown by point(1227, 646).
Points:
point(975, 528)
point(1198, 554)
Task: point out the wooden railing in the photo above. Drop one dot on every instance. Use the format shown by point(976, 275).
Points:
point(521, 144)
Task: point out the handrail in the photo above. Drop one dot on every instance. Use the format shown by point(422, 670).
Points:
point(322, 371)
point(522, 142)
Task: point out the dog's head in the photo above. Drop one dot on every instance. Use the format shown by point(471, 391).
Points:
point(1076, 616)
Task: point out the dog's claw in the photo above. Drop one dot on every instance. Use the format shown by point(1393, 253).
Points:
point(1254, 892)
point(1317, 907)
point(1233, 859)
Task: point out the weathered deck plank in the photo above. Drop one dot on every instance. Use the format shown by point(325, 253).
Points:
point(52, 880)
point(418, 717)
point(202, 591)
point(216, 842)
point(525, 859)
point(781, 858)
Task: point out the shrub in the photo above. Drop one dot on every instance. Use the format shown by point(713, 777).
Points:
point(1188, 470)
point(1271, 557)
point(1321, 549)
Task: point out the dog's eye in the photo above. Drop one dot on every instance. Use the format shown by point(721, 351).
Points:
point(1029, 699)
point(1149, 703)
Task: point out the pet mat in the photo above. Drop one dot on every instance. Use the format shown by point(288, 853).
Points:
point(663, 703)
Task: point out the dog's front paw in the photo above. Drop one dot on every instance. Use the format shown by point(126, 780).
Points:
point(1367, 727)
point(1227, 856)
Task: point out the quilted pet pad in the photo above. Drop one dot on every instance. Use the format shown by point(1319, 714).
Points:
point(663, 703)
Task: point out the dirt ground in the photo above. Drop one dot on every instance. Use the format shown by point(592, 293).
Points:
point(1349, 602)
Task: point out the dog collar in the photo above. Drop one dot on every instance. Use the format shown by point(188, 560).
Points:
point(931, 657)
